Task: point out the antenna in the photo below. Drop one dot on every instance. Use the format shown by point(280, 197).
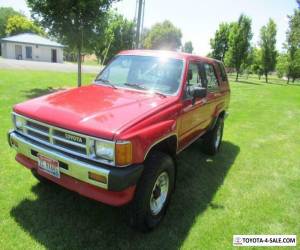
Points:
point(139, 19)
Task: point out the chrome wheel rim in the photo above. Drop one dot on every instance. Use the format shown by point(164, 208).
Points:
point(159, 193)
point(218, 137)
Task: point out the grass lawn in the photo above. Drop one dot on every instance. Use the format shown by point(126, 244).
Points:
point(251, 187)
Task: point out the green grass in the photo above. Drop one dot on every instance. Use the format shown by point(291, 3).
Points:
point(251, 187)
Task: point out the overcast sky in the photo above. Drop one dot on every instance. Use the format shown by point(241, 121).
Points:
point(198, 19)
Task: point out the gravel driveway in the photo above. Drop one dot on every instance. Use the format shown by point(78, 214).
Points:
point(34, 65)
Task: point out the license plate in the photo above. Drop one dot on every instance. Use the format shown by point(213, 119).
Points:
point(48, 165)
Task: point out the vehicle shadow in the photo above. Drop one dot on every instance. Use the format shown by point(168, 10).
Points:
point(58, 218)
point(36, 92)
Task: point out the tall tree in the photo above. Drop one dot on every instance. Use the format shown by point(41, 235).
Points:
point(282, 65)
point(188, 47)
point(239, 43)
point(5, 13)
point(257, 63)
point(74, 21)
point(20, 24)
point(163, 36)
point(219, 44)
point(293, 46)
point(268, 47)
point(112, 34)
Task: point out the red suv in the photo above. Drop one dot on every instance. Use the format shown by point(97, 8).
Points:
point(116, 140)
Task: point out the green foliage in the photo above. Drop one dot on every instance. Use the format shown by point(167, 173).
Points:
point(282, 65)
point(5, 13)
point(293, 46)
point(188, 47)
point(268, 47)
point(113, 34)
point(239, 43)
point(257, 63)
point(20, 24)
point(73, 21)
point(219, 44)
point(163, 36)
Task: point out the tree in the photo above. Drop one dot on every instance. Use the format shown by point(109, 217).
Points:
point(163, 36)
point(72, 21)
point(113, 34)
point(188, 47)
point(282, 65)
point(20, 24)
point(239, 43)
point(257, 64)
point(293, 46)
point(219, 44)
point(5, 13)
point(268, 47)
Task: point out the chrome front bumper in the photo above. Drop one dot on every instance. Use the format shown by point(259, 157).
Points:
point(75, 168)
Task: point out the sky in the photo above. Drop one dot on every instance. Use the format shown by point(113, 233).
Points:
point(199, 19)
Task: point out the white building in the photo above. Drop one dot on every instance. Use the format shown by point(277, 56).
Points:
point(31, 47)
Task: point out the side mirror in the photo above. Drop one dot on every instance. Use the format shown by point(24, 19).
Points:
point(197, 92)
point(190, 75)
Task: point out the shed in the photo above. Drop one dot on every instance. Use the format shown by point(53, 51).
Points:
point(33, 47)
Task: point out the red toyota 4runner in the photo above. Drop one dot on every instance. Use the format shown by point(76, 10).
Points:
point(116, 140)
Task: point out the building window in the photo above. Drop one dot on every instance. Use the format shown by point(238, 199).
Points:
point(29, 52)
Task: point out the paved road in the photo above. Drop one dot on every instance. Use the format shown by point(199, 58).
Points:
point(33, 65)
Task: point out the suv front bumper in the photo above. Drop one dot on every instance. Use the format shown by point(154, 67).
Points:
point(117, 186)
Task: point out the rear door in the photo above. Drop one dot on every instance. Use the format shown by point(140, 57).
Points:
point(214, 95)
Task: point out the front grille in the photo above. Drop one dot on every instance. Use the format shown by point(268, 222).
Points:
point(65, 140)
point(60, 139)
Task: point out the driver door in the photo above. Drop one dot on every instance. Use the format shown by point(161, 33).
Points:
point(195, 116)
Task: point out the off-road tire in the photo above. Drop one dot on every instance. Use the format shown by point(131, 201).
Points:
point(140, 216)
point(210, 145)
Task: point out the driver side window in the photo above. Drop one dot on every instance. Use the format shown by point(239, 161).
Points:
point(193, 75)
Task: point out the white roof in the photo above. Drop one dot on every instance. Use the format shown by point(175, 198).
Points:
point(31, 39)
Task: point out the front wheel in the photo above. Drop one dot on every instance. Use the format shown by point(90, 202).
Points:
point(153, 192)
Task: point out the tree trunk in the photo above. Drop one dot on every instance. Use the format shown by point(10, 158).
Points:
point(266, 76)
point(79, 66)
point(288, 81)
point(237, 76)
point(259, 76)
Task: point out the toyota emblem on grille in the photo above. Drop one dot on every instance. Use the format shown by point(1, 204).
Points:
point(73, 138)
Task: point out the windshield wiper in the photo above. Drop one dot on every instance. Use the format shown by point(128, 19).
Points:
point(106, 82)
point(135, 85)
point(138, 86)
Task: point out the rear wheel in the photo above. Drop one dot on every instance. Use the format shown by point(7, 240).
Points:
point(213, 139)
point(153, 192)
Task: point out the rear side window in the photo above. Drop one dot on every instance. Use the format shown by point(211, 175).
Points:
point(212, 81)
point(223, 72)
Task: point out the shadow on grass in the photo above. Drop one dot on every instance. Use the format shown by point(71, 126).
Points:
point(62, 219)
point(248, 82)
point(36, 92)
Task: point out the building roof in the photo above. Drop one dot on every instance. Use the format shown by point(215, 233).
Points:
point(30, 38)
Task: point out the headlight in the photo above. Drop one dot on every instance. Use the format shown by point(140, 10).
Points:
point(105, 150)
point(119, 153)
point(18, 122)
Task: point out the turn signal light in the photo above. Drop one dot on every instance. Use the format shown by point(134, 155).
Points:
point(97, 177)
point(123, 153)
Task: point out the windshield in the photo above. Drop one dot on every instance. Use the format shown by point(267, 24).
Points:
point(150, 73)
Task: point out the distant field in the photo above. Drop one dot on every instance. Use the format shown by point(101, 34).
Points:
point(251, 187)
